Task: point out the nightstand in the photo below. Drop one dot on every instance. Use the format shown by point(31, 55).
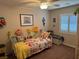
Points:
point(3, 51)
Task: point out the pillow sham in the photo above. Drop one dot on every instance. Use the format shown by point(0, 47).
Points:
point(13, 39)
point(32, 34)
point(18, 32)
point(20, 38)
point(45, 35)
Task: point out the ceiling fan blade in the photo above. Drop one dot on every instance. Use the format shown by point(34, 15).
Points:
point(30, 3)
point(36, 2)
point(52, 0)
point(28, 0)
point(47, 0)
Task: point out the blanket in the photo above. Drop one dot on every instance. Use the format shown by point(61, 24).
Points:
point(22, 50)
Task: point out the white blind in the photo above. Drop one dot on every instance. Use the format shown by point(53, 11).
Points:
point(68, 23)
point(73, 23)
point(64, 23)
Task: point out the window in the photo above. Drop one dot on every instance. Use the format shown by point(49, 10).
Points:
point(68, 23)
point(64, 23)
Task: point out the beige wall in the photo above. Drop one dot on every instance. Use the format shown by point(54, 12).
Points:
point(70, 39)
point(13, 19)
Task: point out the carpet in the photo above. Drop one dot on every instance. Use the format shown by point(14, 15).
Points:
point(55, 52)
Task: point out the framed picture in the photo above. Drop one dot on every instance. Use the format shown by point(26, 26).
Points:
point(26, 19)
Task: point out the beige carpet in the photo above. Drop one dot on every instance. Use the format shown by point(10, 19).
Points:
point(55, 52)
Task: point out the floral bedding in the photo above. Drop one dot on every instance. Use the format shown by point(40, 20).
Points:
point(36, 45)
point(32, 46)
point(26, 45)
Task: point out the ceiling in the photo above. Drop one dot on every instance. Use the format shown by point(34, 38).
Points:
point(63, 3)
point(36, 3)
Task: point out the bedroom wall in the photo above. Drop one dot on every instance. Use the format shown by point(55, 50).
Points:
point(70, 39)
point(12, 17)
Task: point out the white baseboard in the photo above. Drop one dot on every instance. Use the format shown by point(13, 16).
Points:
point(73, 46)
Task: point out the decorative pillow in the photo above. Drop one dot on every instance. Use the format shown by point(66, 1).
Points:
point(28, 33)
point(45, 35)
point(32, 33)
point(19, 35)
point(18, 32)
point(20, 38)
point(13, 39)
point(35, 29)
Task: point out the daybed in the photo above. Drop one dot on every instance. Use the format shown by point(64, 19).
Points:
point(30, 46)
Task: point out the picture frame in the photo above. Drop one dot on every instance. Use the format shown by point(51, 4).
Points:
point(26, 19)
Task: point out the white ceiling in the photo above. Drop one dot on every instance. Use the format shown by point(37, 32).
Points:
point(36, 3)
point(65, 3)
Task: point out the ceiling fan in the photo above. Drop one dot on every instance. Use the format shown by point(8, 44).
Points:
point(42, 3)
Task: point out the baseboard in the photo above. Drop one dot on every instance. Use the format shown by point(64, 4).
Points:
point(73, 46)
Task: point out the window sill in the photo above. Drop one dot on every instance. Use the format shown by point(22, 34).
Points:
point(69, 33)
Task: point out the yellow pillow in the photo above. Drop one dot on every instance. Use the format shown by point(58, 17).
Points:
point(35, 29)
point(33, 32)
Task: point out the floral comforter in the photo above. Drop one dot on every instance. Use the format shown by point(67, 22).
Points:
point(31, 46)
point(36, 45)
